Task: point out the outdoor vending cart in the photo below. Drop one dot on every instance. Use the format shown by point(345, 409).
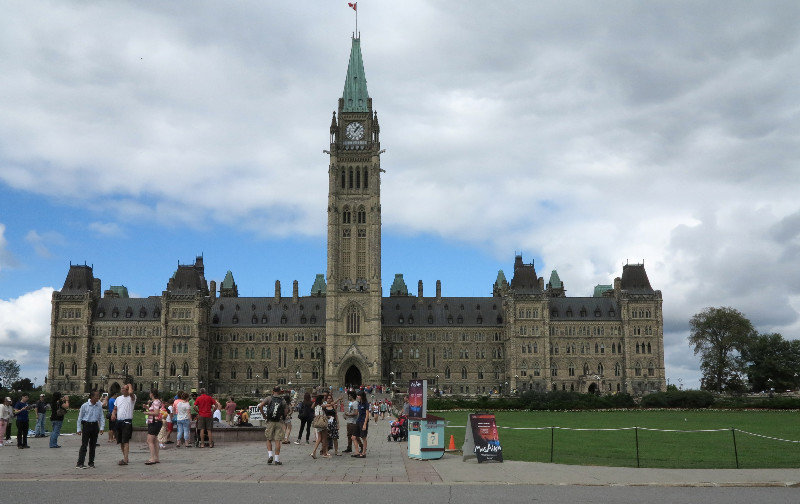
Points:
point(426, 438)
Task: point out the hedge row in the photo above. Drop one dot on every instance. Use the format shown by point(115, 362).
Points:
point(683, 399)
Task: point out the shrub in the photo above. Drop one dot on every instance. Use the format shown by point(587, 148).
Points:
point(678, 399)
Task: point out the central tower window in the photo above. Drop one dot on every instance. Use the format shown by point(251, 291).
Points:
point(353, 320)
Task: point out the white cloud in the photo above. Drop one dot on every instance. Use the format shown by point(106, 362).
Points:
point(7, 259)
point(25, 332)
point(40, 242)
point(106, 229)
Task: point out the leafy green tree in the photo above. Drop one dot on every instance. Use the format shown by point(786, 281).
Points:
point(717, 335)
point(771, 362)
point(9, 372)
point(24, 384)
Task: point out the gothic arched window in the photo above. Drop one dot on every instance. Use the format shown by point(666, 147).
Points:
point(353, 320)
point(94, 369)
point(173, 369)
point(346, 219)
point(185, 369)
point(463, 373)
point(361, 217)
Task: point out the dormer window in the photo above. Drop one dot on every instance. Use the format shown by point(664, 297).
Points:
point(215, 320)
point(411, 319)
point(264, 319)
point(142, 313)
point(101, 314)
point(129, 312)
point(115, 313)
point(235, 319)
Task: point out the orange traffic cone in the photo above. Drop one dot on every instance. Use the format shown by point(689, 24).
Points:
point(452, 443)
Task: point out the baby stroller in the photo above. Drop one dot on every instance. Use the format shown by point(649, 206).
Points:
point(398, 430)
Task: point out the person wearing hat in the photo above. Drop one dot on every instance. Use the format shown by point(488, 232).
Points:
point(6, 414)
point(41, 410)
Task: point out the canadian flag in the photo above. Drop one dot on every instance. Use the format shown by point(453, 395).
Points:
point(353, 6)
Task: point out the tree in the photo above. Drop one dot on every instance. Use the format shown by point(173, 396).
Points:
point(23, 384)
point(9, 372)
point(717, 334)
point(771, 362)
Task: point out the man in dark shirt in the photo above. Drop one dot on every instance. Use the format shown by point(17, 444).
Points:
point(41, 409)
point(21, 410)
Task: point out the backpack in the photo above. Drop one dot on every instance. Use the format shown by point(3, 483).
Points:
point(275, 410)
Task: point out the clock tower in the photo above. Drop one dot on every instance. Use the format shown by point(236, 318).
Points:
point(353, 304)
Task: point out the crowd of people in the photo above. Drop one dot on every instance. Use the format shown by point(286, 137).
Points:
point(192, 417)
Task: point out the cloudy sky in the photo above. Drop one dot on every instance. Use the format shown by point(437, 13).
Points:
point(135, 135)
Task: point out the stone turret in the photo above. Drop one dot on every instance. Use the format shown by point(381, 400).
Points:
point(419, 289)
point(295, 291)
point(212, 287)
point(277, 290)
point(438, 290)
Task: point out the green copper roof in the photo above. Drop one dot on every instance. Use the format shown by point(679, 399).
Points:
point(227, 282)
point(555, 281)
point(398, 286)
point(355, 85)
point(599, 289)
point(319, 288)
point(119, 290)
point(501, 278)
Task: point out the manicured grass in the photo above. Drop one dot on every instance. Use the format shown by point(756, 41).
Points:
point(656, 449)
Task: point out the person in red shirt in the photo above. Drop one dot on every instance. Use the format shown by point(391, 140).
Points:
point(205, 422)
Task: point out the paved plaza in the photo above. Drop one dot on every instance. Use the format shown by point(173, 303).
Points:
point(386, 463)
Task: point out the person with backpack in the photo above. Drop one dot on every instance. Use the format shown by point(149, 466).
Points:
point(305, 414)
point(274, 411)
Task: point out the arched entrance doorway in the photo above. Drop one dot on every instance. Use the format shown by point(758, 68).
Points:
point(352, 377)
point(115, 388)
point(593, 388)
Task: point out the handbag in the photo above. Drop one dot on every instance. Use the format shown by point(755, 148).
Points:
point(319, 422)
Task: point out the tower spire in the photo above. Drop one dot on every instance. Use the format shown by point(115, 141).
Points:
point(355, 94)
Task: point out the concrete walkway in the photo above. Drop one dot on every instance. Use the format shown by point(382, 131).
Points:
point(386, 462)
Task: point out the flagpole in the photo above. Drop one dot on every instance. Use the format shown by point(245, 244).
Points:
point(357, 35)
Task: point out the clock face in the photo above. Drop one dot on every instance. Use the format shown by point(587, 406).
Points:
point(355, 131)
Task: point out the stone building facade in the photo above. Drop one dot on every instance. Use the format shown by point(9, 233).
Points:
point(527, 335)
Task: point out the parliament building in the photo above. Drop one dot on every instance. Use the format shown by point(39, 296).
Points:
point(528, 335)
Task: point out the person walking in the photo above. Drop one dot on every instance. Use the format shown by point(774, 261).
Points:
point(21, 410)
point(6, 414)
point(350, 415)
point(122, 415)
point(273, 410)
point(41, 410)
point(287, 422)
point(205, 421)
point(182, 409)
point(91, 423)
point(305, 415)
point(362, 425)
point(109, 408)
point(230, 411)
point(58, 408)
point(322, 432)
point(154, 423)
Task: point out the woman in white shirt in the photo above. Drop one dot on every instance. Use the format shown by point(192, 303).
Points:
point(182, 410)
point(6, 414)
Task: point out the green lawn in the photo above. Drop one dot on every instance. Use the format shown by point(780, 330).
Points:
point(656, 449)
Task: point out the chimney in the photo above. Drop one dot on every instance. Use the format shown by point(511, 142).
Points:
point(438, 290)
point(97, 290)
point(295, 291)
point(277, 290)
point(213, 289)
point(419, 289)
point(617, 285)
point(541, 283)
